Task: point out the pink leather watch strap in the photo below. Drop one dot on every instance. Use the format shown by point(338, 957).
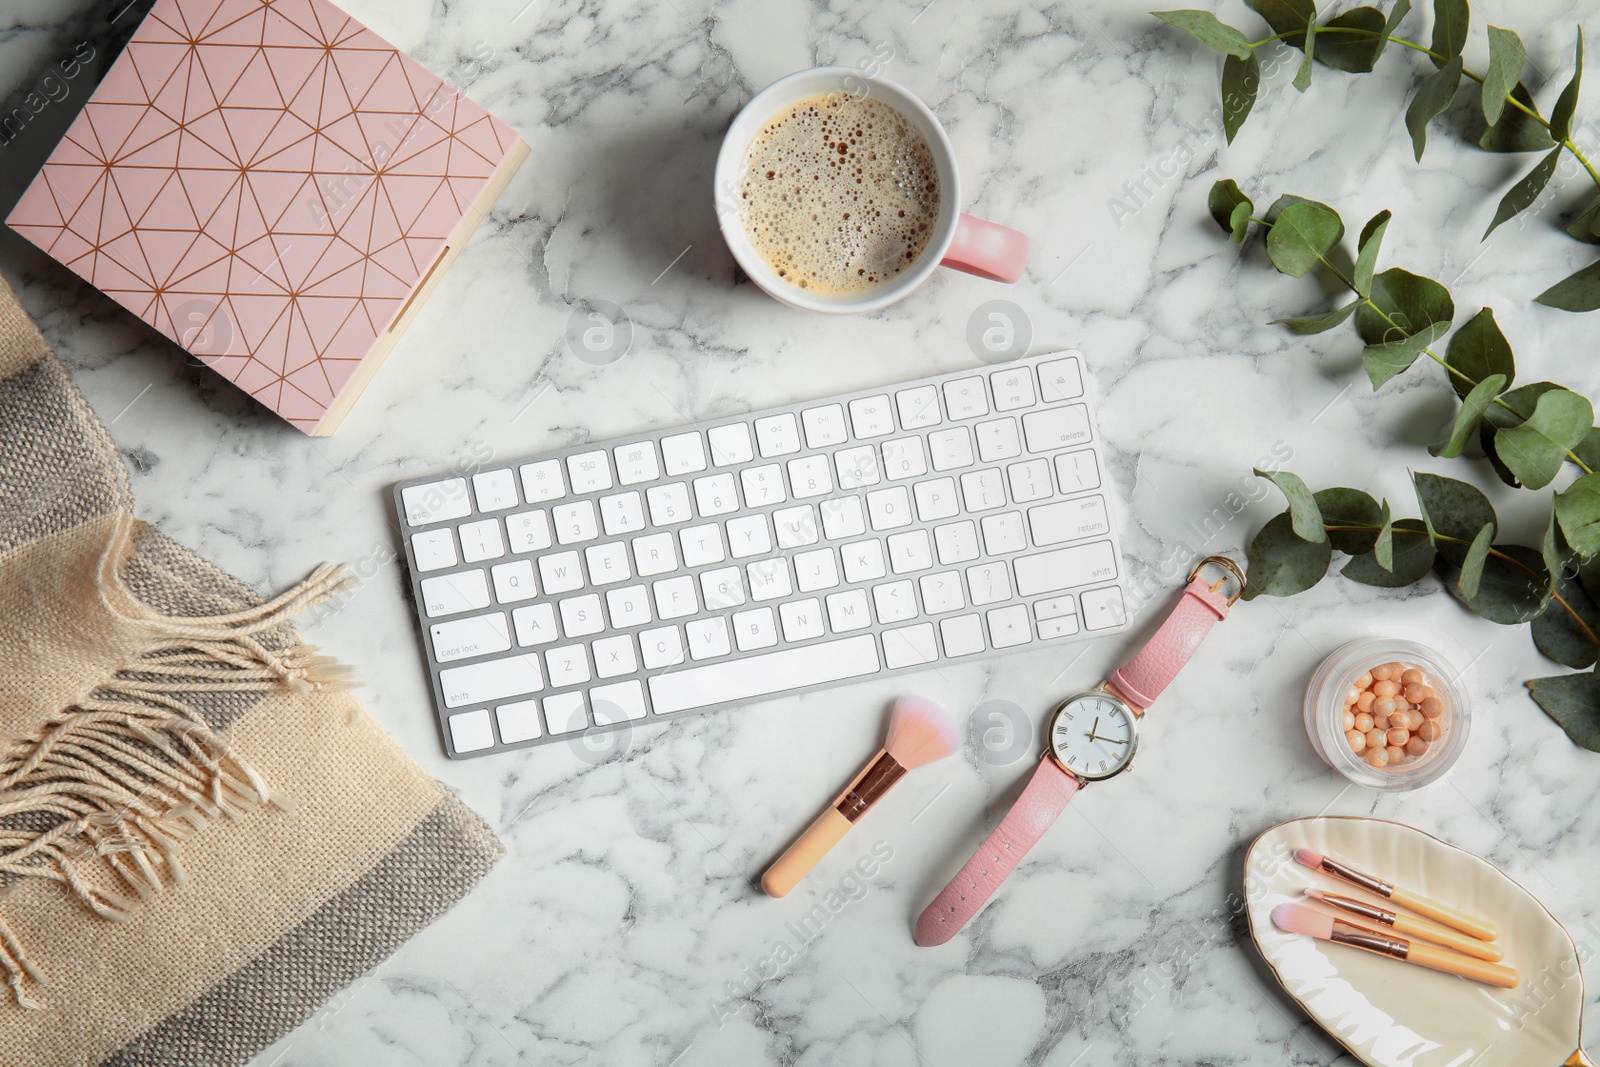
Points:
point(1160, 660)
point(1041, 803)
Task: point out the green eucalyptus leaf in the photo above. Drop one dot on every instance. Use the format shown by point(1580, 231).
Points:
point(1567, 102)
point(1470, 415)
point(1209, 30)
point(1302, 77)
point(1305, 518)
point(1557, 553)
point(1486, 435)
point(1452, 509)
point(1579, 291)
point(1535, 450)
point(1472, 564)
point(1404, 304)
point(1585, 225)
point(1224, 202)
point(1519, 404)
point(1287, 200)
point(1522, 195)
point(1413, 558)
point(1513, 589)
point(1300, 236)
point(1479, 350)
point(1383, 544)
point(1399, 11)
point(1450, 19)
point(1350, 507)
point(1240, 80)
point(1589, 577)
point(1288, 17)
point(1588, 450)
point(1433, 97)
point(1507, 57)
point(1577, 509)
point(1567, 634)
point(1282, 563)
point(1395, 357)
point(1355, 53)
point(1367, 250)
point(1573, 701)
point(1517, 131)
point(1309, 324)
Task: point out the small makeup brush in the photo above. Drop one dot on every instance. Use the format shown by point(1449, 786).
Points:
point(1404, 897)
point(1296, 919)
point(918, 733)
point(1405, 924)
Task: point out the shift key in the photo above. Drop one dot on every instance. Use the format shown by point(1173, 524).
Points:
point(1065, 568)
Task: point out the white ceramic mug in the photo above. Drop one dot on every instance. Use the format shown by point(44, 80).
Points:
point(960, 241)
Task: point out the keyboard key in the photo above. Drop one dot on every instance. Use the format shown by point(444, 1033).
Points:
point(622, 513)
point(480, 635)
point(1003, 533)
point(870, 416)
point(722, 588)
point(1013, 388)
point(568, 665)
point(1008, 626)
point(936, 499)
point(802, 619)
point(655, 553)
point(778, 435)
point(683, 453)
point(965, 398)
point(1061, 626)
point(519, 721)
point(748, 536)
point(708, 638)
point(542, 481)
point(730, 444)
point(951, 449)
point(997, 440)
point(904, 457)
point(701, 545)
point(808, 476)
point(797, 526)
point(1056, 428)
point(763, 485)
point(470, 731)
point(1064, 568)
point(1068, 520)
point(1103, 608)
point(564, 713)
point(889, 508)
point(589, 472)
point(616, 702)
point(675, 597)
point(613, 657)
point(513, 582)
point(816, 570)
point(755, 629)
point(715, 495)
point(982, 490)
point(957, 542)
point(580, 615)
point(436, 501)
point(661, 647)
point(909, 646)
point(628, 606)
point(575, 522)
point(769, 672)
point(1060, 379)
point(988, 583)
point(824, 426)
point(895, 601)
point(1054, 607)
point(962, 635)
point(863, 560)
point(1077, 471)
point(842, 517)
point(608, 563)
point(857, 467)
point(1030, 480)
point(481, 540)
point(493, 679)
point(528, 531)
point(769, 579)
point(848, 611)
point(910, 551)
point(495, 490)
point(434, 550)
point(941, 592)
point(668, 504)
point(536, 625)
point(560, 572)
point(636, 463)
point(919, 407)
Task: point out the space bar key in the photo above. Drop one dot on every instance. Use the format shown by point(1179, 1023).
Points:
point(763, 675)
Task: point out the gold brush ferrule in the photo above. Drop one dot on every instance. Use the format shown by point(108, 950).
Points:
point(1360, 907)
point(873, 781)
point(1356, 937)
point(1357, 878)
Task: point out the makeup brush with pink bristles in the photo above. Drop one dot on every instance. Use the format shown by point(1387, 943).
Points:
point(919, 733)
point(1418, 903)
point(1298, 919)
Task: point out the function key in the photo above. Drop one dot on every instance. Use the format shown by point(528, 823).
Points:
point(637, 463)
point(495, 490)
point(824, 426)
point(436, 501)
point(778, 435)
point(870, 416)
point(1013, 388)
point(919, 407)
point(1060, 379)
point(683, 453)
point(730, 444)
point(965, 398)
point(590, 471)
point(543, 481)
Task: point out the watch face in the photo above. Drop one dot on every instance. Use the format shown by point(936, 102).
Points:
point(1094, 735)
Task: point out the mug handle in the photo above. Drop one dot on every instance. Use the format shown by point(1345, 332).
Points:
point(987, 249)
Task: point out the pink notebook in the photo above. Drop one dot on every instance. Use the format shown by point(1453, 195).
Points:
point(273, 187)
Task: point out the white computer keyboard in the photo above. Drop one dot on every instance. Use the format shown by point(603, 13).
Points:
point(703, 567)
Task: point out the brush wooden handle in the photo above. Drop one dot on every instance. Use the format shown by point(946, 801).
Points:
point(1442, 959)
point(1443, 935)
point(1439, 913)
point(797, 860)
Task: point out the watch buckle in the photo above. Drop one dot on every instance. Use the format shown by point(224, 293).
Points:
point(1226, 564)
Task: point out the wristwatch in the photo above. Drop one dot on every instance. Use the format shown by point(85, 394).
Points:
point(1092, 736)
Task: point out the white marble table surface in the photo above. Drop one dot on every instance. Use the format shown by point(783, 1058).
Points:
point(622, 927)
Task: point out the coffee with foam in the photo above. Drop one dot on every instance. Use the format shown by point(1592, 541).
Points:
point(840, 193)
